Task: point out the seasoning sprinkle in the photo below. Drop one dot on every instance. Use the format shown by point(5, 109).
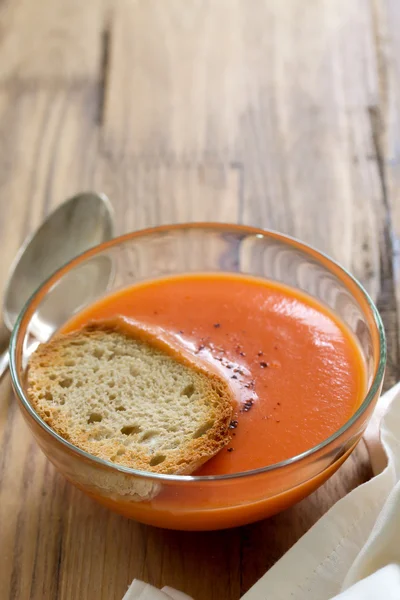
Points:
point(237, 370)
point(260, 353)
point(250, 385)
point(263, 365)
point(242, 353)
point(233, 424)
point(247, 405)
point(230, 449)
point(216, 325)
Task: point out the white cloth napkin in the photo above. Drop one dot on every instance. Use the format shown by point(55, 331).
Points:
point(143, 591)
point(352, 552)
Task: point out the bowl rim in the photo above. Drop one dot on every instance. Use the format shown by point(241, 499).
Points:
point(374, 387)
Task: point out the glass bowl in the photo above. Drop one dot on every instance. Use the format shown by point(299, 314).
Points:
point(193, 502)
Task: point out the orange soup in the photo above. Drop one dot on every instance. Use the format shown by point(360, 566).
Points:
point(295, 369)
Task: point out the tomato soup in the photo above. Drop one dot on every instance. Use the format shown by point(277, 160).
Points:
point(296, 371)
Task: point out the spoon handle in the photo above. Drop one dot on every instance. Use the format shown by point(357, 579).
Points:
point(4, 362)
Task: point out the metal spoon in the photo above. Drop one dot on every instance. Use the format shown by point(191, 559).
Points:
point(75, 226)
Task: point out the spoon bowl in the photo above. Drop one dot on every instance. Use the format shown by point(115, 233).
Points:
point(78, 224)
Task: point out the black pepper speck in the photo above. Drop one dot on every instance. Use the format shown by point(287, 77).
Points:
point(249, 385)
point(247, 405)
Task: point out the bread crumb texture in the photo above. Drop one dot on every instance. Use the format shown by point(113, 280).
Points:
point(130, 401)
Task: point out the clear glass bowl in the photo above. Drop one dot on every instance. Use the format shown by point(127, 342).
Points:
point(189, 502)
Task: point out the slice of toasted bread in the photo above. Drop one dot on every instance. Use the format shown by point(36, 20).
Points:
point(130, 399)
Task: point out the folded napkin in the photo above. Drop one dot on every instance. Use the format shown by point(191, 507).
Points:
point(143, 591)
point(353, 551)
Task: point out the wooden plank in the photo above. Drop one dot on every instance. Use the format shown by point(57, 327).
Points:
point(148, 194)
point(175, 87)
point(307, 142)
point(49, 136)
point(387, 122)
point(51, 42)
point(310, 169)
point(47, 127)
point(51, 145)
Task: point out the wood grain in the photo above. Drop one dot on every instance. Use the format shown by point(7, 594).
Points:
point(386, 122)
point(278, 114)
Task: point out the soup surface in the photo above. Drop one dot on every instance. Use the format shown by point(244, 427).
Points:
point(295, 369)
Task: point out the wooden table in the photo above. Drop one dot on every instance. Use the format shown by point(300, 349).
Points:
point(280, 113)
